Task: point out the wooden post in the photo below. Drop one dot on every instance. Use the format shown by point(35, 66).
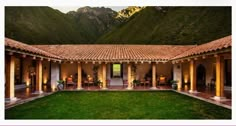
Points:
point(39, 77)
point(79, 78)
point(104, 76)
point(192, 76)
point(154, 76)
point(129, 77)
point(10, 79)
point(219, 78)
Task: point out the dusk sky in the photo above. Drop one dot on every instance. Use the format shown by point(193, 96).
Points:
point(73, 8)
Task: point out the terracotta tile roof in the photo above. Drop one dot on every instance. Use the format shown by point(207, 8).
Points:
point(120, 52)
point(215, 45)
point(15, 45)
point(115, 52)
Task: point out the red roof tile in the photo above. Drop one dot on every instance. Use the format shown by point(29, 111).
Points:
point(10, 43)
point(115, 52)
point(218, 44)
point(120, 52)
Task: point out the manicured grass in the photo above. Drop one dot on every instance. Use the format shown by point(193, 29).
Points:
point(117, 105)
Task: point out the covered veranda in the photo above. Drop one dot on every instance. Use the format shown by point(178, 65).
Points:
point(206, 70)
point(116, 67)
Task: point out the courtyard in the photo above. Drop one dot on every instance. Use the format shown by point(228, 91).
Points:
point(117, 105)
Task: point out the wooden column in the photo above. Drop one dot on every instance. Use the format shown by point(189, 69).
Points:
point(154, 76)
point(219, 77)
point(79, 77)
point(193, 76)
point(10, 79)
point(104, 76)
point(39, 77)
point(129, 77)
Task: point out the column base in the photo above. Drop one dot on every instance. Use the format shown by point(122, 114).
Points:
point(104, 88)
point(80, 88)
point(38, 92)
point(129, 88)
point(179, 89)
point(153, 88)
point(13, 99)
point(193, 91)
point(218, 98)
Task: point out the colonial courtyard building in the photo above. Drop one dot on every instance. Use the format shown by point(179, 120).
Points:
point(115, 65)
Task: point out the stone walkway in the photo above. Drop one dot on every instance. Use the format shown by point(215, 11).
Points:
point(206, 97)
point(26, 95)
point(21, 101)
point(209, 93)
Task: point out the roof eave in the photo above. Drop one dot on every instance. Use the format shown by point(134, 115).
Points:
point(218, 51)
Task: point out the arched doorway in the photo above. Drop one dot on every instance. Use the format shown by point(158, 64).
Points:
point(201, 75)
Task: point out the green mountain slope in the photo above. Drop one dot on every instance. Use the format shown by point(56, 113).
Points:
point(94, 21)
point(133, 25)
point(42, 25)
point(172, 25)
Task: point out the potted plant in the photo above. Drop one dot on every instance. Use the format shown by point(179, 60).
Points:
point(60, 84)
point(174, 84)
point(98, 83)
point(136, 82)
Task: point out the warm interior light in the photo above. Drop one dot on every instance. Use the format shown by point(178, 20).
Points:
point(44, 87)
point(185, 87)
point(185, 79)
point(27, 91)
point(53, 87)
point(178, 84)
point(45, 80)
point(64, 77)
point(27, 82)
point(162, 78)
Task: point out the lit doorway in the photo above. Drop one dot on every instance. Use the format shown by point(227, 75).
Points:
point(116, 70)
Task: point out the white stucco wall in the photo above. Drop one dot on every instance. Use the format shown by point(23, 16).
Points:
point(54, 74)
point(177, 71)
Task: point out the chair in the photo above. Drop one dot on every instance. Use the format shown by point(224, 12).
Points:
point(162, 80)
point(69, 81)
point(85, 82)
point(142, 81)
point(125, 82)
point(148, 82)
point(90, 81)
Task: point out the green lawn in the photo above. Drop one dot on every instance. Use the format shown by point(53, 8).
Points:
point(117, 105)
